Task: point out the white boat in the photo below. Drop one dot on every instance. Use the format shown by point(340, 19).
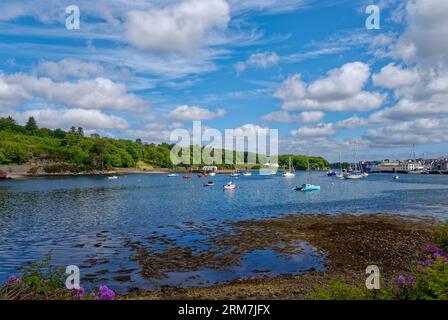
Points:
point(365, 174)
point(353, 175)
point(357, 173)
point(247, 173)
point(212, 174)
point(290, 173)
point(396, 177)
point(229, 186)
point(172, 175)
point(235, 173)
point(112, 178)
point(340, 175)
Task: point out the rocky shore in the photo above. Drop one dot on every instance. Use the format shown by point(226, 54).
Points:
point(350, 243)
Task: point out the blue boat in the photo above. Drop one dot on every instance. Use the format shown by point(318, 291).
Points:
point(309, 187)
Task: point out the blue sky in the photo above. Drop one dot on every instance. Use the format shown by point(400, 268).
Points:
point(139, 69)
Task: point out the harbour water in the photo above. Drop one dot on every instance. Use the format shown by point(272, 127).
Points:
point(90, 221)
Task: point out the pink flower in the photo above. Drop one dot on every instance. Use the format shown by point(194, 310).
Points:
point(106, 293)
point(401, 280)
point(10, 280)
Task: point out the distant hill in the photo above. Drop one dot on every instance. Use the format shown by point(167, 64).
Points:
point(71, 150)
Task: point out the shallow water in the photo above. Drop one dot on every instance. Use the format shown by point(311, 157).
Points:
point(84, 218)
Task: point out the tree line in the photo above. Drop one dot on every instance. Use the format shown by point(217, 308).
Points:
point(21, 144)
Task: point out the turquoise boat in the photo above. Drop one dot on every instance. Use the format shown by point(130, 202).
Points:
point(309, 187)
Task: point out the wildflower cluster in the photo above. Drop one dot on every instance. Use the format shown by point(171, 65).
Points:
point(430, 278)
point(40, 281)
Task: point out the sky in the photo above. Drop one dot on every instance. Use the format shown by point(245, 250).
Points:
point(309, 68)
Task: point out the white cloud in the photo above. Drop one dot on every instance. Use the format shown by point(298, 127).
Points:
point(393, 77)
point(352, 122)
point(426, 34)
point(262, 60)
point(286, 117)
point(11, 94)
point(318, 131)
point(418, 131)
point(250, 129)
point(187, 113)
point(66, 118)
point(180, 27)
point(341, 90)
point(69, 68)
point(311, 116)
point(99, 93)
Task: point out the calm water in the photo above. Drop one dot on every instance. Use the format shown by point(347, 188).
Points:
point(84, 218)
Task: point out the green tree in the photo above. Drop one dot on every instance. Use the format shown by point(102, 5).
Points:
point(31, 125)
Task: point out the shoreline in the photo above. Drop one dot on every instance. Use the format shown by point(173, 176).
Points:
point(20, 172)
point(350, 243)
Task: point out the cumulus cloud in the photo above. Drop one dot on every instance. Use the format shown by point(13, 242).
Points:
point(420, 92)
point(66, 118)
point(99, 93)
point(68, 69)
point(426, 34)
point(180, 27)
point(286, 117)
point(341, 90)
point(318, 131)
point(419, 131)
point(261, 60)
point(393, 77)
point(11, 94)
point(190, 113)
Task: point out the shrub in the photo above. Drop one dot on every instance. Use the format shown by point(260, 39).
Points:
point(429, 280)
point(40, 281)
point(441, 236)
point(339, 289)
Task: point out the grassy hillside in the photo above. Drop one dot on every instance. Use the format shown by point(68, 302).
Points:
point(71, 151)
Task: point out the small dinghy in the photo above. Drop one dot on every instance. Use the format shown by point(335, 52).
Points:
point(212, 174)
point(187, 177)
point(172, 175)
point(307, 187)
point(209, 184)
point(112, 178)
point(396, 178)
point(229, 186)
point(247, 173)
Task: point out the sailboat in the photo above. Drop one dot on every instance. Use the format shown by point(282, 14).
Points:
point(290, 173)
point(235, 173)
point(340, 175)
point(356, 173)
point(229, 186)
point(308, 186)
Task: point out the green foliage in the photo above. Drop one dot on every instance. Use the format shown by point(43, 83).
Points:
point(38, 281)
point(299, 162)
point(441, 235)
point(339, 289)
point(41, 281)
point(20, 144)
